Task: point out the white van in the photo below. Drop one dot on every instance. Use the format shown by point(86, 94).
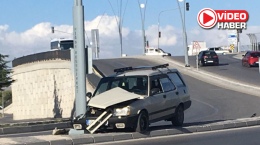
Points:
point(156, 51)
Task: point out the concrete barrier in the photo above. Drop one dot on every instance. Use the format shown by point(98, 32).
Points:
point(27, 127)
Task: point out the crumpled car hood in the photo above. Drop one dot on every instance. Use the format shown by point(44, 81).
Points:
point(112, 97)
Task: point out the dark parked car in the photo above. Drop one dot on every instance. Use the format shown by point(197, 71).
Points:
point(251, 58)
point(208, 58)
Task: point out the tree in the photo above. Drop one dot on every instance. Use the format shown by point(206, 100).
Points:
point(5, 71)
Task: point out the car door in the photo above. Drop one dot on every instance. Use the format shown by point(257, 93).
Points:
point(179, 83)
point(247, 56)
point(170, 95)
point(156, 99)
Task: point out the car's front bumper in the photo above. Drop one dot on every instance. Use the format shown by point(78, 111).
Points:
point(112, 123)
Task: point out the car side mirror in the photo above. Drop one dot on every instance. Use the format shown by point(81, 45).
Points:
point(89, 94)
point(155, 91)
point(243, 55)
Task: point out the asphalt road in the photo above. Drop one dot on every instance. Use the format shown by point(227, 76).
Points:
point(210, 103)
point(228, 67)
point(242, 136)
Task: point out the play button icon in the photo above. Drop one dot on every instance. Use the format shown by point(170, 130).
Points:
point(207, 18)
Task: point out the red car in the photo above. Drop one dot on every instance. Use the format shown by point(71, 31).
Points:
point(251, 58)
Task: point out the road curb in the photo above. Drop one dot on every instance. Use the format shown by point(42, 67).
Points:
point(101, 138)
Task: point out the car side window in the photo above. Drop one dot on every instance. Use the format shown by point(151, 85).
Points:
point(155, 86)
point(248, 54)
point(167, 85)
point(176, 79)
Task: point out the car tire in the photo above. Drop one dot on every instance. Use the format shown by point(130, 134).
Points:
point(178, 117)
point(248, 65)
point(142, 122)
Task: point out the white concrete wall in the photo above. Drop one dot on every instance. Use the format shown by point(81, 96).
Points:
point(36, 86)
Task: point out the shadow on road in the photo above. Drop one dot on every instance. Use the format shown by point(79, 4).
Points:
point(184, 125)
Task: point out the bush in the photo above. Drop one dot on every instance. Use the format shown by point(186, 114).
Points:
point(7, 97)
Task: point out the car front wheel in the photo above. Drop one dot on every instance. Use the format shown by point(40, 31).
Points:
point(142, 122)
point(178, 117)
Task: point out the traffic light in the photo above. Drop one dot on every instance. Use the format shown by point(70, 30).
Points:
point(52, 29)
point(159, 34)
point(187, 6)
point(147, 43)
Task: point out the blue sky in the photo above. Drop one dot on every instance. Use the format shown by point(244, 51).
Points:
point(24, 14)
point(20, 17)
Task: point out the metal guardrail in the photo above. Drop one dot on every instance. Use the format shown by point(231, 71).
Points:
point(50, 55)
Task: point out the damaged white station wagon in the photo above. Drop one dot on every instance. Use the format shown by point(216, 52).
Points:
point(135, 97)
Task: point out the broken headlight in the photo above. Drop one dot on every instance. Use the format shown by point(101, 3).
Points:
point(121, 111)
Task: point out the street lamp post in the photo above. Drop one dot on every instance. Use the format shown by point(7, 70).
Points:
point(143, 6)
point(79, 57)
point(159, 23)
point(184, 33)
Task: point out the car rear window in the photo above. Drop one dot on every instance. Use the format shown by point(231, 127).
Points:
point(210, 53)
point(255, 54)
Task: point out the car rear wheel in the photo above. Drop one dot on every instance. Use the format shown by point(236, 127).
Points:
point(142, 122)
point(178, 117)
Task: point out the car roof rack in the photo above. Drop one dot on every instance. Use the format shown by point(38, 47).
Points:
point(160, 66)
point(121, 70)
point(118, 70)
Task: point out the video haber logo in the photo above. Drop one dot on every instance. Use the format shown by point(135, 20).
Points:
point(226, 19)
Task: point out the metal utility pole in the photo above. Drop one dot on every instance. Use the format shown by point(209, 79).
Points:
point(95, 42)
point(79, 57)
point(184, 33)
point(238, 39)
point(143, 6)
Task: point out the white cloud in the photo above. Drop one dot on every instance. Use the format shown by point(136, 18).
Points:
point(3, 28)
point(37, 39)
